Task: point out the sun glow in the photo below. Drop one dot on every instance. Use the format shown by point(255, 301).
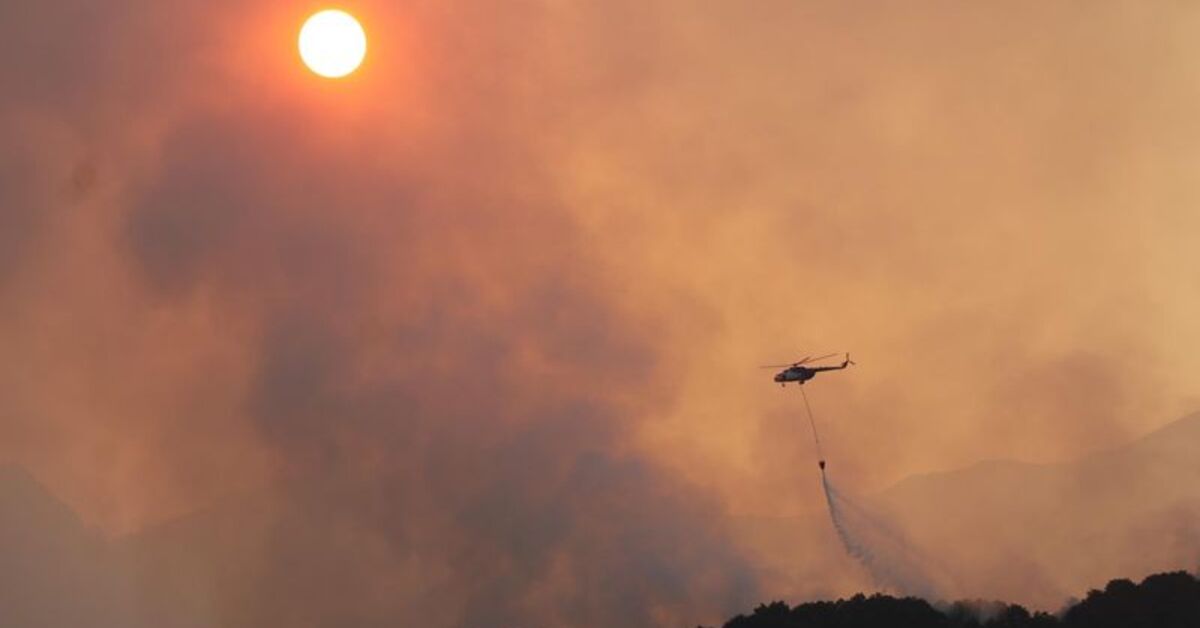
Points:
point(332, 43)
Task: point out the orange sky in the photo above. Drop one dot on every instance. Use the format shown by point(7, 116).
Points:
point(585, 225)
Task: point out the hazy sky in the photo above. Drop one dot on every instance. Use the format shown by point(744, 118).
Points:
point(519, 271)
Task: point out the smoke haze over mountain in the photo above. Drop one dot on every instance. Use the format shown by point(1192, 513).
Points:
point(473, 333)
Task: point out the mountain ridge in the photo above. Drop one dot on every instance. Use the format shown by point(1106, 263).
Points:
point(1127, 510)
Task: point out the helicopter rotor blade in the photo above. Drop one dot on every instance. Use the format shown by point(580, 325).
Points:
point(807, 360)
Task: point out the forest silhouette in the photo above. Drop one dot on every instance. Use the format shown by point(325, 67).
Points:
point(1166, 600)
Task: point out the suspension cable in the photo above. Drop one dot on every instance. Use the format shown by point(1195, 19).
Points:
point(812, 422)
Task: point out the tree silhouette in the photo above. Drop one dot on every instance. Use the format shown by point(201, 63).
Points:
point(1168, 600)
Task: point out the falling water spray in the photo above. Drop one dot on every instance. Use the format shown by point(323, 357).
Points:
point(885, 554)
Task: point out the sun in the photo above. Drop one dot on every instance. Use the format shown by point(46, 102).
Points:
point(332, 43)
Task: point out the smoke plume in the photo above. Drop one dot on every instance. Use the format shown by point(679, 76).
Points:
point(473, 333)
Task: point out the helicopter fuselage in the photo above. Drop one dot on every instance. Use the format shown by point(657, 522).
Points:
point(797, 374)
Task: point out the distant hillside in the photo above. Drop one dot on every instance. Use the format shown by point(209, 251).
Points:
point(56, 572)
point(1061, 528)
point(1032, 534)
point(1168, 600)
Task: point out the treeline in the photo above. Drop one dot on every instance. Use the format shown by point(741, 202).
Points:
point(1169, 600)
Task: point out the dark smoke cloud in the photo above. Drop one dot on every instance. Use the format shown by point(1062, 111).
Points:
point(432, 366)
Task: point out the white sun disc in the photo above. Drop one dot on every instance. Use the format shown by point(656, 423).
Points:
point(332, 43)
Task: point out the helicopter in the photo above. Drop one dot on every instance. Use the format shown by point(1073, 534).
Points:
point(799, 373)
